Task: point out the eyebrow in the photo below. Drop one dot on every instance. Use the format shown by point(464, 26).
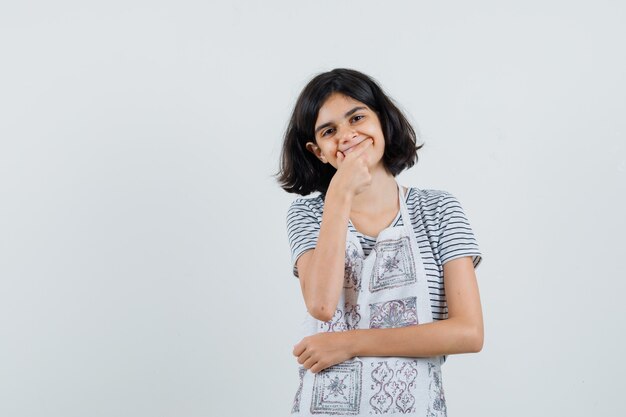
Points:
point(348, 114)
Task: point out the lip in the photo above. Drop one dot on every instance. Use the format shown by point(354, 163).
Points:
point(347, 149)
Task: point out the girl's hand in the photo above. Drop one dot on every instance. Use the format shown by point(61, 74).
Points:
point(353, 174)
point(321, 350)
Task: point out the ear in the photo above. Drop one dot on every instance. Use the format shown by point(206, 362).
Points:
point(315, 150)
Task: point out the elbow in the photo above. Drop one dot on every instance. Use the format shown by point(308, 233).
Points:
point(320, 308)
point(321, 312)
point(477, 345)
point(469, 338)
point(475, 339)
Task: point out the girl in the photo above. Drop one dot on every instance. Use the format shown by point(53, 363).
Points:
point(386, 272)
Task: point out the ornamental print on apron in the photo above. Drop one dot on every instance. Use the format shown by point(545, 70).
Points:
point(386, 289)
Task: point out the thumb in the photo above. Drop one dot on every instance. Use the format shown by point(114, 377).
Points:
point(340, 157)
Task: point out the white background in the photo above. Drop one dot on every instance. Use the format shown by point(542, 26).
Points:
point(144, 262)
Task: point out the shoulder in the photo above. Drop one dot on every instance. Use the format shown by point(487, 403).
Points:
point(428, 192)
point(311, 206)
point(429, 199)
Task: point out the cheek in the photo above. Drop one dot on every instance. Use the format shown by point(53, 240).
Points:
point(381, 147)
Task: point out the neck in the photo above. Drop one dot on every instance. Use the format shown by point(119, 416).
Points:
point(380, 196)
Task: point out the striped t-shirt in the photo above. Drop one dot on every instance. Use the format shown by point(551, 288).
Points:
point(442, 230)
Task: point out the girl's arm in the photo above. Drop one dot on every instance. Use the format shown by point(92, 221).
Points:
point(321, 270)
point(462, 332)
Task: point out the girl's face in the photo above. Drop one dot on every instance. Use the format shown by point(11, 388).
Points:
point(343, 122)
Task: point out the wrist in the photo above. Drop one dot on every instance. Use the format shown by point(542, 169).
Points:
point(354, 347)
point(339, 193)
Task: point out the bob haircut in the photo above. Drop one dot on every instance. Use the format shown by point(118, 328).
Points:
point(300, 171)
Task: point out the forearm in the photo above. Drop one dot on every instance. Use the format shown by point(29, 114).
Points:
point(442, 337)
point(325, 278)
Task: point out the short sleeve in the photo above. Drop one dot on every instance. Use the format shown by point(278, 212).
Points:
point(303, 229)
point(456, 238)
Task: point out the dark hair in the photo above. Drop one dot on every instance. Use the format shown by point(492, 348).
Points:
point(300, 171)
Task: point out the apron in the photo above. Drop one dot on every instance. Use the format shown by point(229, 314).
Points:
point(386, 289)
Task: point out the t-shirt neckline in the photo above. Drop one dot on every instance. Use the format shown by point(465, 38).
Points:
point(406, 195)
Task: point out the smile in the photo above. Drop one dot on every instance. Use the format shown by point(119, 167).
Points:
point(346, 151)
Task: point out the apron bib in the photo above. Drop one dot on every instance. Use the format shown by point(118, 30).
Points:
point(386, 289)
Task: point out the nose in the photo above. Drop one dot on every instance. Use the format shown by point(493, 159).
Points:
point(345, 133)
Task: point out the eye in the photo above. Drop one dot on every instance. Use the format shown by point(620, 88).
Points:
point(327, 132)
point(357, 117)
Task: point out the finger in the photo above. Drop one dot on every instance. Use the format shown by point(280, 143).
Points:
point(340, 158)
point(304, 357)
point(309, 363)
point(318, 367)
point(298, 348)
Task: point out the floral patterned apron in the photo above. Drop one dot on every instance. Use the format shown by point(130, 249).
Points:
point(388, 288)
